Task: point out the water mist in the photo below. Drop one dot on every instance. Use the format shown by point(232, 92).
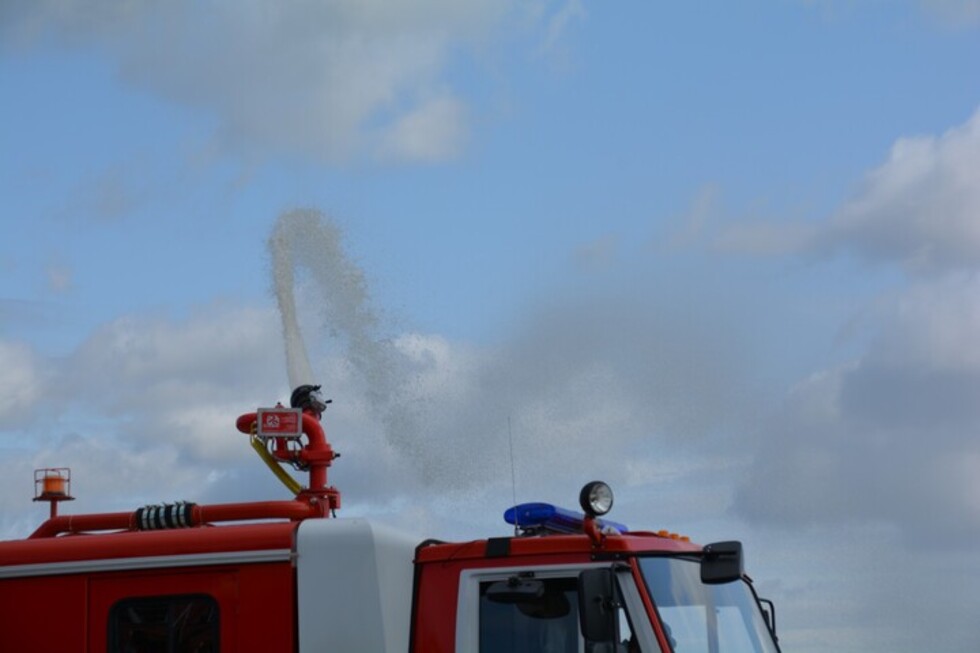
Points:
point(306, 239)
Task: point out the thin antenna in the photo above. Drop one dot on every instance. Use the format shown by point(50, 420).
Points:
point(513, 476)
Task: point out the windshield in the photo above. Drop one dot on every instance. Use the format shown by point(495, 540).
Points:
point(701, 618)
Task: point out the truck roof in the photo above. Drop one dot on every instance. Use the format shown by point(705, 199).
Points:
point(627, 543)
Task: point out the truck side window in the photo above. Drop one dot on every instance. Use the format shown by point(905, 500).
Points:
point(164, 624)
point(546, 624)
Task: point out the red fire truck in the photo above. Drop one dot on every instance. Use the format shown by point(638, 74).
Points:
point(289, 576)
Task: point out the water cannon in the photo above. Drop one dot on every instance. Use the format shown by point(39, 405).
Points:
point(277, 435)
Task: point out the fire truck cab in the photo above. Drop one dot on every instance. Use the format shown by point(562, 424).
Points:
point(288, 576)
point(572, 582)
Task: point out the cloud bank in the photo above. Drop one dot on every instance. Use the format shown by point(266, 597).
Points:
point(890, 436)
point(412, 412)
point(918, 209)
point(335, 81)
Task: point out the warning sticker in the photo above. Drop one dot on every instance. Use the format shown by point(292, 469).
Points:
point(280, 422)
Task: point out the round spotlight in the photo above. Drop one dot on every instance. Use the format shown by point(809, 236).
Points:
point(596, 498)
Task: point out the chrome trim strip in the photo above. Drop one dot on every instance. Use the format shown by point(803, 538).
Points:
point(148, 562)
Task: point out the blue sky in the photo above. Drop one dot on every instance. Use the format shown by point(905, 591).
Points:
point(723, 255)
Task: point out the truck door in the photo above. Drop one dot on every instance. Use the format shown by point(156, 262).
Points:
point(163, 611)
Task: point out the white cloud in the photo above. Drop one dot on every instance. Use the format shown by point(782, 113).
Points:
point(327, 80)
point(889, 438)
point(767, 238)
point(143, 410)
point(955, 13)
point(109, 195)
point(934, 326)
point(881, 451)
point(559, 23)
point(921, 206)
point(692, 224)
point(106, 476)
point(59, 278)
point(577, 377)
point(142, 361)
point(574, 373)
point(21, 382)
point(919, 209)
point(433, 131)
point(598, 253)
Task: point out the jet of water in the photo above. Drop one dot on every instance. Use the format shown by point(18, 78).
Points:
point(281, 244)
point(306, 239)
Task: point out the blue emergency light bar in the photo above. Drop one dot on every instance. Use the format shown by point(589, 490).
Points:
point(548, 517)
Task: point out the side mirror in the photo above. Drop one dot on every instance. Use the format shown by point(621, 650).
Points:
point(597, 605)
point(722, 563)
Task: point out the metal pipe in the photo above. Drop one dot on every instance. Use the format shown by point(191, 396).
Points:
point(126, 521)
